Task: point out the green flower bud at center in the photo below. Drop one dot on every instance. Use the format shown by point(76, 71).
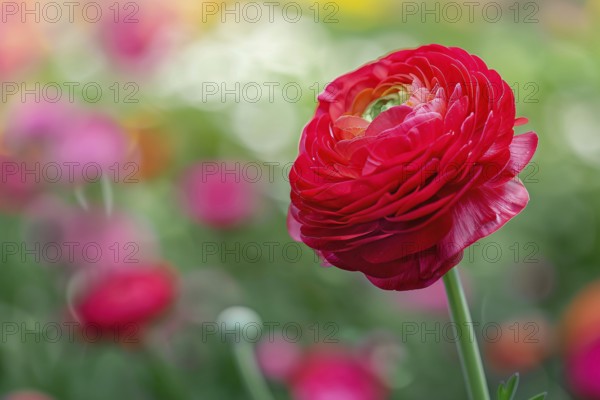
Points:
point(385, 103)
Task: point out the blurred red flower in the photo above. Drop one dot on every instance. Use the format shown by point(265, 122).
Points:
point(334, 374)
point(121, 302)
point(407, 161)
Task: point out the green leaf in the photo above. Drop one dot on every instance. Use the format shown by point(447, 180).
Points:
point(506, 391)
point(540, 396)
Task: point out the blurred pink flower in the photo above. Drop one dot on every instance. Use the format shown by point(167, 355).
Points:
point(59, 142)
point(278, 358)
point(218, 194)
point(327, 374)
point(583, 371)
point(126, 300)
point(32, 126)
point(102, 241)
point(92, 140)
point(67, 235)
point(26, 395)
point(137, 37)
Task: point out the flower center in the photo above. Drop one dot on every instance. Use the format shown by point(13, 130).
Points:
point(384, 103)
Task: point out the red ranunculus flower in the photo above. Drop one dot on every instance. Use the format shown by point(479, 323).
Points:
point(120, 303)
point(407, 161)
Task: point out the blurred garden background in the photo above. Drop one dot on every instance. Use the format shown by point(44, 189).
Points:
point(145, 148)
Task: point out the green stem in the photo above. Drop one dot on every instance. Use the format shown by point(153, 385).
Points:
point(255, 382)
point(164, 380)
point(467, 343)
